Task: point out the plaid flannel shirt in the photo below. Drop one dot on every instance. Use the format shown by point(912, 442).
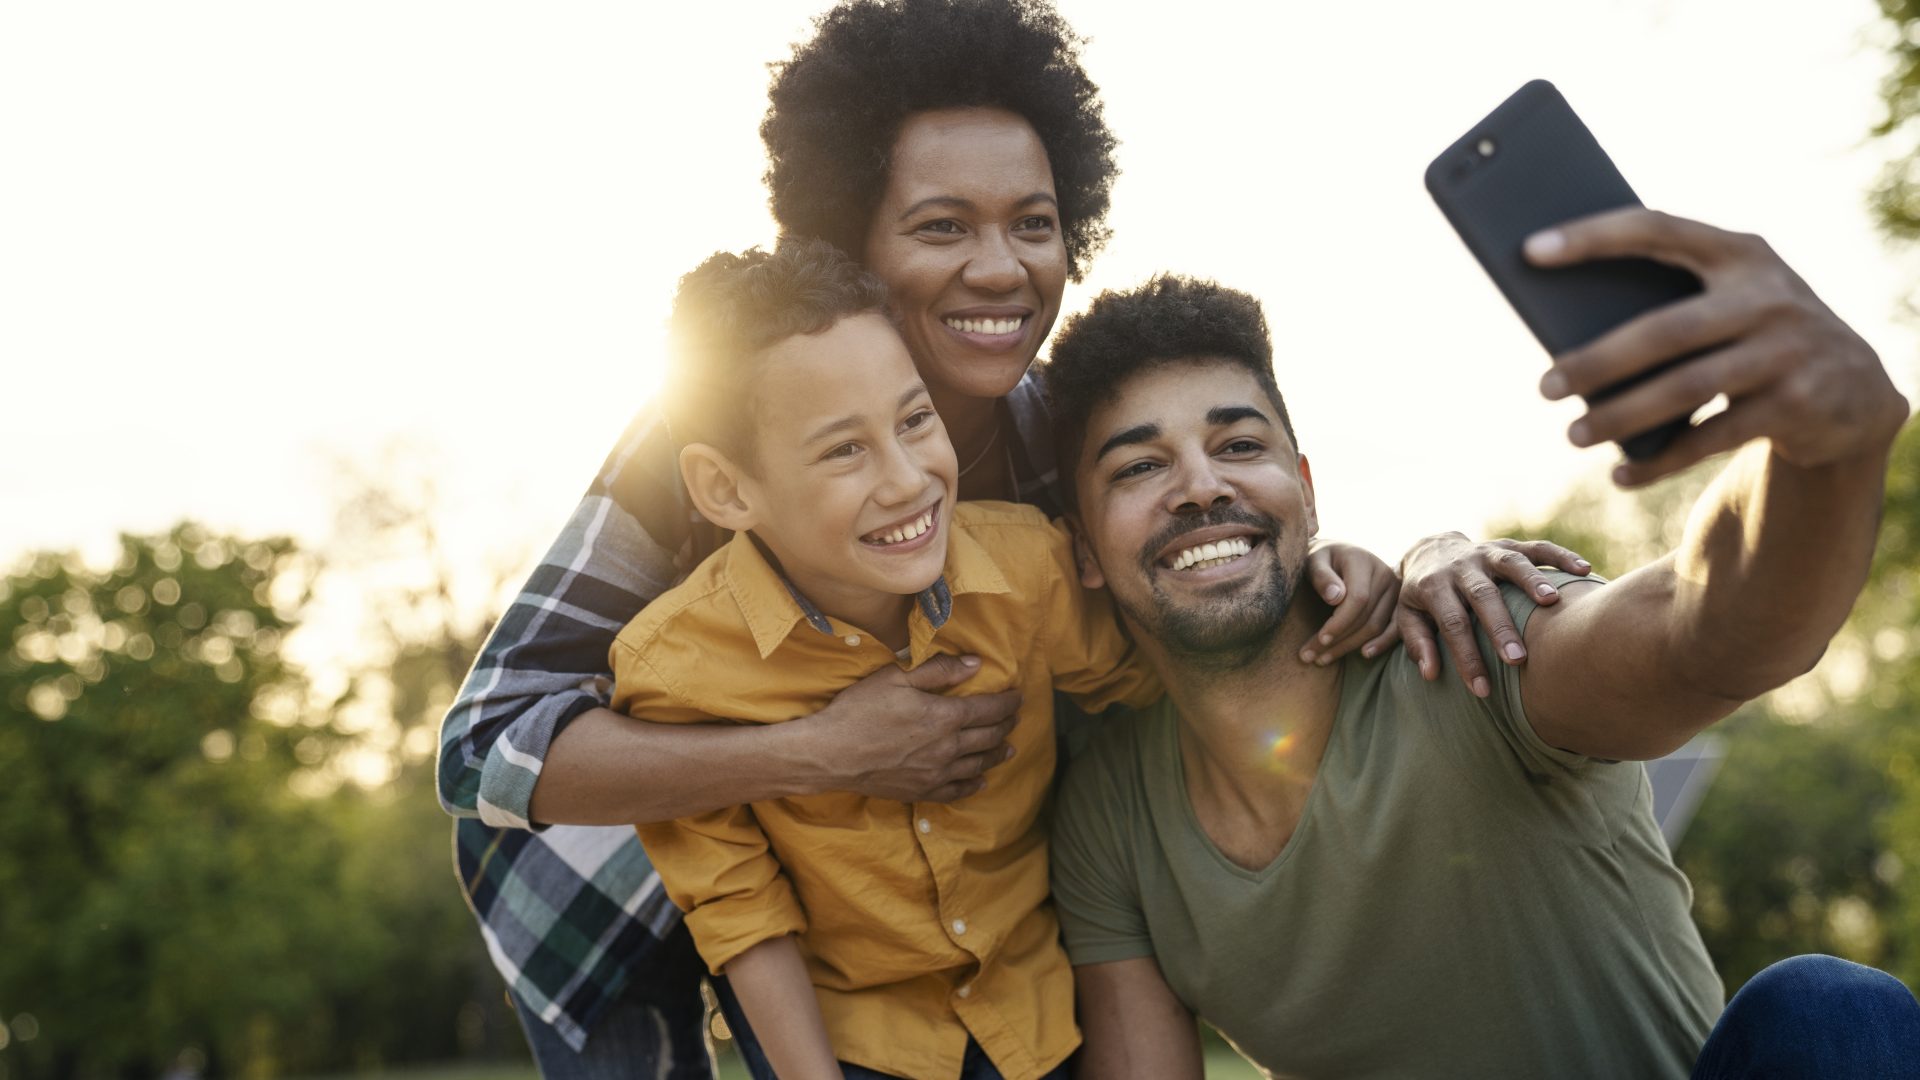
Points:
point(571, 913)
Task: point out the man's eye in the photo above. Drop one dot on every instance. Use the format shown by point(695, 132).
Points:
point(1241, 446)
point(1136, 469)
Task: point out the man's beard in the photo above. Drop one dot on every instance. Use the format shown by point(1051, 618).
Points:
point(1227, 633)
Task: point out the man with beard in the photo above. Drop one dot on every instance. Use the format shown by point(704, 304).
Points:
point(1366, 869)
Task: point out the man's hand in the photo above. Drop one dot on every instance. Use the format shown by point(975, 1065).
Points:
point(1450, 580)
point(1792, 372)
point(892, 736)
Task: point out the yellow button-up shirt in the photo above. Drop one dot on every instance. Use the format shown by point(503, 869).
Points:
point(920, 923)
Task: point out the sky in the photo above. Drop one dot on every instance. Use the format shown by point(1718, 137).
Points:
point(242, 242)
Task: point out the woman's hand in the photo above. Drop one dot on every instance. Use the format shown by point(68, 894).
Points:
point(1450, 580)
point(1361, 590)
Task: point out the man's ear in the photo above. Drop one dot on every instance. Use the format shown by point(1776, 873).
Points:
point(718, 487)
point(1306, 482)
point(1090, 575)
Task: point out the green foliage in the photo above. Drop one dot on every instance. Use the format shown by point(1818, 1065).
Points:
point(182, 867)
point(1895, 197)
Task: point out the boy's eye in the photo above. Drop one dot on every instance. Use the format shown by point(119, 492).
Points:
point(917, 420)
point(844, 450)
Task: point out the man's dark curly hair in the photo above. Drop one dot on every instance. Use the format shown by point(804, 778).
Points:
point(729, 310)
point(1168, 320)
point(837, 105)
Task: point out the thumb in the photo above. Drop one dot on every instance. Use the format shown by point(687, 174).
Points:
point(943, 671)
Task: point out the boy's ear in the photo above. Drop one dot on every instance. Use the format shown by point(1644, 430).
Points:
point(1090, 575)
point(715, 484)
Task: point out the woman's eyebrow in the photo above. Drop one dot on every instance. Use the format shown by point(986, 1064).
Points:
point(955, 202)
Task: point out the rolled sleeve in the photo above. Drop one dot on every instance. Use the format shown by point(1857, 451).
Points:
point(719, 869)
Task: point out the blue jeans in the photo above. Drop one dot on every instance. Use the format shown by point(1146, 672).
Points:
point(1815, 1016)
point(974, 1066)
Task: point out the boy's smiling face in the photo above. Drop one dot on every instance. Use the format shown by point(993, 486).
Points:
point(852, 480)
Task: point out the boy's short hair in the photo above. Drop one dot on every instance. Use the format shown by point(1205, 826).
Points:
point(1168, 320)
point(729, 310)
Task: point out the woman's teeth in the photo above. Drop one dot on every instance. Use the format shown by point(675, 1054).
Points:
point(902, 533)
point(985, 326)
point(1215, 554)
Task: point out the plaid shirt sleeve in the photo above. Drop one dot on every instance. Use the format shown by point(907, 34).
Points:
point(545, 663)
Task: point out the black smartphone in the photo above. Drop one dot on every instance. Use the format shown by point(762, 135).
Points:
point(1531, 164)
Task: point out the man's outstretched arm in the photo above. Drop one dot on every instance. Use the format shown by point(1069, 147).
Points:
point(1132, 1024)
point(1777, 548)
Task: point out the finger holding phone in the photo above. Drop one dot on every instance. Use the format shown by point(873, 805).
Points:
point(1791, 370)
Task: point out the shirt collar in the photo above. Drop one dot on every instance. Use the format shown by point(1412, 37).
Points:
point(772, 606)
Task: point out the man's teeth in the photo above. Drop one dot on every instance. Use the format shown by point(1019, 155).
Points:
point(903, 533)
point(1216, 554)
point(985, 326)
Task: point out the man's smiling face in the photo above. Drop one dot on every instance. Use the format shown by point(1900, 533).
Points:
point(1195, 508)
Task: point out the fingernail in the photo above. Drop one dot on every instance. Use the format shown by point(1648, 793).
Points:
point(1621, 475)
point(1335, 592)
point(1515, 651)
point(1553, 385)
point(1583, 564)
point(1367, 652)
point(1579, 433)
point(1009, 756)
point(1306, 656)
point(1546, 244)
point(970, 661)
point(1324, 661)
point(1326, 639)
point(1544, 589)
point(1480, 687)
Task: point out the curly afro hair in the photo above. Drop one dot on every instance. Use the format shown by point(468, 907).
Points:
point(1169, 320)
point(838, 103)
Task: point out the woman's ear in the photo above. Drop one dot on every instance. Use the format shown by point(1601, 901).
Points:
point(719, 488)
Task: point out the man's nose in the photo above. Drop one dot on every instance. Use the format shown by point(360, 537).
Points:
point(1198, 487)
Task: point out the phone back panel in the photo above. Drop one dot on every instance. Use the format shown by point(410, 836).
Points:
point(1546, 168)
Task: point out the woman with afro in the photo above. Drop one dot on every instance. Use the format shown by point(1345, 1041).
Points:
point(957, 148)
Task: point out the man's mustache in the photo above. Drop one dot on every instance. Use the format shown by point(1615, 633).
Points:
point(1219, 515)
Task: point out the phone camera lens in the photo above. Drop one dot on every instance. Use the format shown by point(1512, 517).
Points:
point(1486, 147)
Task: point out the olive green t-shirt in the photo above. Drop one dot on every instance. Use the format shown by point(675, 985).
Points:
point(1458, 899)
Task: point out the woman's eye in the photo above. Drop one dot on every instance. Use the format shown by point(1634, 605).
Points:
point(942, 227)
point(1036, 221)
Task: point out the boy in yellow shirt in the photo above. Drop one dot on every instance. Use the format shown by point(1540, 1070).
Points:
point(913, 940)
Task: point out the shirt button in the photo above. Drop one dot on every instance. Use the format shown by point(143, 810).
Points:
point(926, 826)
point(959, 927)
point(964, 991)
point(853, 640)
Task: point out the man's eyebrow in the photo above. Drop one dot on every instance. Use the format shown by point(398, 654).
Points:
point(1138, 433)
point(848, 422)
point(957, 203)
point(1222, 415)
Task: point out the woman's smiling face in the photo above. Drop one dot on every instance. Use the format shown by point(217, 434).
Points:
point(967, 239)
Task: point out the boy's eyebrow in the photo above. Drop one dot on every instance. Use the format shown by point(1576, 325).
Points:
point(958, 203)
point(848, 422)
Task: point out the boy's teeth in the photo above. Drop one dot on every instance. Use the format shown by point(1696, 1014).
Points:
point(985, 326)
point(906, 532)
point(1219, 553)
